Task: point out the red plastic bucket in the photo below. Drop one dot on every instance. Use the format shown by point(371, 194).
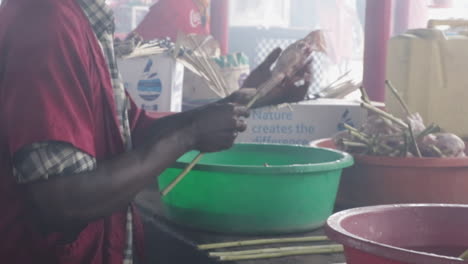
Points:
point(395, 180)
point(402, 234)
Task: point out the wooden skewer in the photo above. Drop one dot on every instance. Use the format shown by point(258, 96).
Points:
point(348, 127)
point(354, 144)
point(262, 242)
point(384, 114)
point(309, 251)
point(464, 256)
point(214, 70)
point(268, 250)
point(364, 96)
point(194, 64)
point(398, 97)
point(202, 73)
point(209, 68)
point(413, 141)
point(437, 150)
point(182, 175)
point(263, 251)
point(199, 61)
point(358, 135)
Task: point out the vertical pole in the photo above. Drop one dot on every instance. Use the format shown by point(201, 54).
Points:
point(377, 34)
point(402, 12)
point(220, 23)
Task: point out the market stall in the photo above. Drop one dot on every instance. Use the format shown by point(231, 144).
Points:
point(258, 132)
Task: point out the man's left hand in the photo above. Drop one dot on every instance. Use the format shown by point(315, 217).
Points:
point(288, 91)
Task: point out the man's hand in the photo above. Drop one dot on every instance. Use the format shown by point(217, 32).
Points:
point(216, 126)
point(286, 92)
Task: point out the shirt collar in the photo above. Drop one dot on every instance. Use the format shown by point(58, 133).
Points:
point(100, 16)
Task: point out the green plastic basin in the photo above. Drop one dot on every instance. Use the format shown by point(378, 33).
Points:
point(256, 189)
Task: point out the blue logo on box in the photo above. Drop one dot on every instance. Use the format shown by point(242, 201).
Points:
point(345, 119)
point(150, 87)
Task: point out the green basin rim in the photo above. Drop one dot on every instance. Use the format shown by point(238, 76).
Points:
point(345, 161)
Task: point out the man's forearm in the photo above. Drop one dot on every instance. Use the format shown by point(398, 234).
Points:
point(149, 126)
point(73, 200)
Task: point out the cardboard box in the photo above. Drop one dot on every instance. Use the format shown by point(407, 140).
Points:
point(305, 122)
point(154, 82)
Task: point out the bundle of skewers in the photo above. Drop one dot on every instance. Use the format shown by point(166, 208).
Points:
point(134, 46)
point(220, 251)
point(386, 135)
point(197, 54)
point(341, 88)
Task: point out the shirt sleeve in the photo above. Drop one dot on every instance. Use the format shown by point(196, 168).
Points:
point(41, 161)
point(46, 88)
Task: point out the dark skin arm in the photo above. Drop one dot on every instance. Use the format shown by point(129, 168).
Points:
point(68, 202)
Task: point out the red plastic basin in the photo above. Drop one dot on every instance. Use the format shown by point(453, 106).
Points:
point(402, 234)
point(395, 180)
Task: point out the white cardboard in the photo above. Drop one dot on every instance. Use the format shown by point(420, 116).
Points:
point(306, 122)
point(154, 82)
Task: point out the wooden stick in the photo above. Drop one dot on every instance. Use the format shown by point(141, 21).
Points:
point(215, 71)
point(310, 251)
point(263, 242)
point(359, 136)
point(210, 69)
point(464, 256)
point(274, 250)
point(413, 141)
point(266, 87)
point(429, 130)
point(351, 128)
point(182, 175)
point(266, 250)
point(406, 147)
point(354, 144)
point(204, 74)
point(364, 96)
point(197, 65)
point(398, 97)
point(438, 151)
point(384, 114)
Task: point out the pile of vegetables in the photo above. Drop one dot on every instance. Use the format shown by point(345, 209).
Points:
point(386, 135)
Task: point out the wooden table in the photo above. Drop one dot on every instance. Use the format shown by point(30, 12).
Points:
point(167, 243)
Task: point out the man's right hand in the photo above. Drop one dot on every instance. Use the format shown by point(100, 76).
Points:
point(216, 126)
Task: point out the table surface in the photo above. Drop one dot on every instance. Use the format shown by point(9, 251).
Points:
point(169, 243)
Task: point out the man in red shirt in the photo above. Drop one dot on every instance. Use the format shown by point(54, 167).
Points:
point(167, 18)
point(71, 158)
